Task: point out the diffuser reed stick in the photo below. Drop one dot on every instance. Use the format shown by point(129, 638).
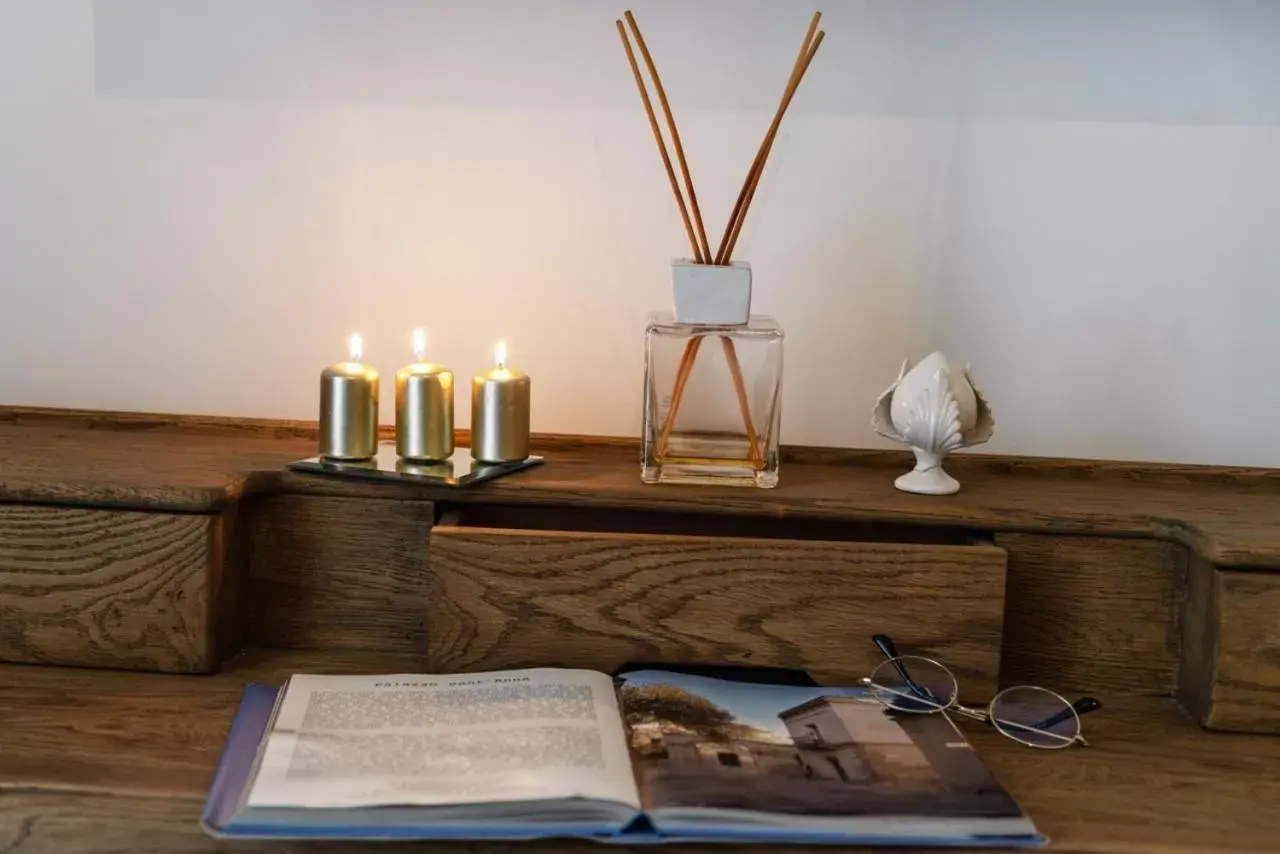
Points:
point(740, 388)
point(682, 379)
point(662, 148)
point(734, 228)
point(765, 147)
point(703, 256)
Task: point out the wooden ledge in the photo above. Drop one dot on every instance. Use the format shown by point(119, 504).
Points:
point(190, 464)
point(121, 761)
point(233, 547)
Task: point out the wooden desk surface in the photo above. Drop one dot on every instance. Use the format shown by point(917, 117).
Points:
point(96, 760)
point(1230, 517)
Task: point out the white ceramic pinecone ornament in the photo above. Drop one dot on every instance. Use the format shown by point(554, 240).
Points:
point(935, 409)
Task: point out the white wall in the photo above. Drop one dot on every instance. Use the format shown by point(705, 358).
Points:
point(200, 200)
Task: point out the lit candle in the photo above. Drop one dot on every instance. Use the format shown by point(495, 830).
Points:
point(500, 412)
point(349, 407)
point(424, 407)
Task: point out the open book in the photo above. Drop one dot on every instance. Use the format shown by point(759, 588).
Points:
point(650, 755)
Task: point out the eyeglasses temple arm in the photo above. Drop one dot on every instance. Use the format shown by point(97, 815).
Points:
point(1085, 705)
point(886, 646)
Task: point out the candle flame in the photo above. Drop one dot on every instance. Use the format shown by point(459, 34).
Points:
point(355, 348)
point(500, 354)
point(420, 344)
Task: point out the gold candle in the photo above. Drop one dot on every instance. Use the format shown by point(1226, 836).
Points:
point(424, 407)
point(349, 408)
point(500, 412)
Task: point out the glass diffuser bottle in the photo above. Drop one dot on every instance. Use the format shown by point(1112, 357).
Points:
point(713, 371)
point(713, 383)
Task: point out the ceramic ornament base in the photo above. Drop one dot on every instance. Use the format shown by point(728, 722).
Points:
point(459, 470)
point(928, 479)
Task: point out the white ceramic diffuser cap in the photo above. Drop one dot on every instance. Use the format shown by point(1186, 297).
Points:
point(711, 295)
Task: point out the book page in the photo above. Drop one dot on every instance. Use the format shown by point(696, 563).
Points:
point(347, 741)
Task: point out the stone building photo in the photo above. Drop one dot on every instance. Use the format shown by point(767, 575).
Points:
point(804, 749)
point(848, 739)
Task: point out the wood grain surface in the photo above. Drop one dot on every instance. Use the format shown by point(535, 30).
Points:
point(966, 461)
point(508, 598)
point(1228, 526)
point(1091, 614)
point(144, 733)
point(1198, 662)
point(1244, 678)
point(228, 588)
point(1230, 518)
point(120, 762)
point(107, 588)
point(338, 573)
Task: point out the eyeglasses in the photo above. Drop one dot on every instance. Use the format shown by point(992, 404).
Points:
point(1036, 717)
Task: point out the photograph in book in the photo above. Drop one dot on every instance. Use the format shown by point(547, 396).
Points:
point(703, 742)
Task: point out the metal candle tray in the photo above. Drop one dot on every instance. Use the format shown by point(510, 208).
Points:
point(459, 470)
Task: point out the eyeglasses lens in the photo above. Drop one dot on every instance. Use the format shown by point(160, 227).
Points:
point(913, 684)
point(1036, 717)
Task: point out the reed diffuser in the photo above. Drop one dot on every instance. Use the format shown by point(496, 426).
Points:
point(711, 413)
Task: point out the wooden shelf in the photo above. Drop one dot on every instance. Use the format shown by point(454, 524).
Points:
point(122, 761)
point(1230, 517)
point(1174, 567)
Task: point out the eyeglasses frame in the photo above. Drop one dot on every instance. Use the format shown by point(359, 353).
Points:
point(899, 662)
